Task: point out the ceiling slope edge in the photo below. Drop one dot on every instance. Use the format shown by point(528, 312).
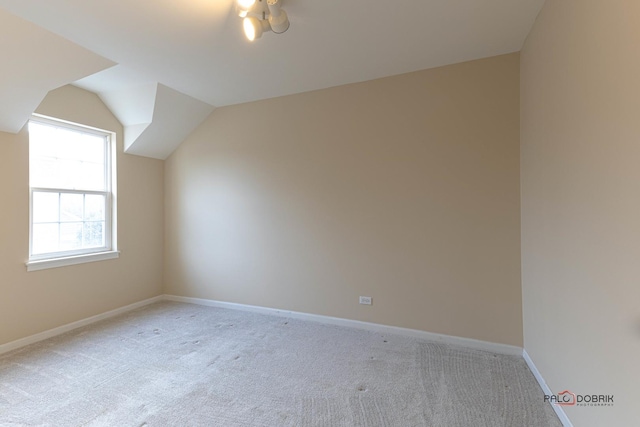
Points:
point(156, 118)
point(133, 107)
point(36, 61)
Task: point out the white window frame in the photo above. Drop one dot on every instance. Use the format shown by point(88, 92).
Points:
point(78, 256)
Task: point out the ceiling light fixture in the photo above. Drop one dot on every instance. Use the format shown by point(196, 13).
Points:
point(261, 16)
point(244, 6)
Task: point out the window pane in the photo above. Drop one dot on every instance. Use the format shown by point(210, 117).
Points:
point(94, 207)
point(80, 146)
point(93, 234)
point(70, 235)
point(91, 148)
point(45, 238)
point(45, 207)
point(43, 172)
point(65, 158)
point(71, 207)
point(68, 174)
point(92, 176)
point(39, 142)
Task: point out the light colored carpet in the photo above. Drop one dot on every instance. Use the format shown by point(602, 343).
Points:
point(174, 364)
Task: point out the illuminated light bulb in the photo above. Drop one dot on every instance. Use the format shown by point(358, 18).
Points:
point(246, 4)
point(252, 28)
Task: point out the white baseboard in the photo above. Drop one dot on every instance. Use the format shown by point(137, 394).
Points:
point(4, 348)
point(375, 327)
point(545, 388)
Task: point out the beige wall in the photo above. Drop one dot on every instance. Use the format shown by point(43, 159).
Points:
point(580, 135)
point(405, 189)
point(37, 301)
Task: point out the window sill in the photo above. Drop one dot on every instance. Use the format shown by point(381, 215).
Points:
point(71, 260)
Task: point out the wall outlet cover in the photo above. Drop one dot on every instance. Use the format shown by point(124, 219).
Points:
point(366, 300)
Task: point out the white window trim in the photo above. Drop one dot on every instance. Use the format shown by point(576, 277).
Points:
point(44, 264)
point(109, 251)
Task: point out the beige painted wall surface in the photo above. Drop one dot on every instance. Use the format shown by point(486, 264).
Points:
point(405, 189)
point(581, 203)
point(37, 301)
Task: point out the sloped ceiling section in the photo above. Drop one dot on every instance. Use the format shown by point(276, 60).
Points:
point(133, 107)
point(36, 61)
point(197, 49)
point(156, 118)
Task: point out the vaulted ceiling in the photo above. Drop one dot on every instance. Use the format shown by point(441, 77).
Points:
point(162, 66)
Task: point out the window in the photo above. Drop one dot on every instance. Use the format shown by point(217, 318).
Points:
point(71, 194)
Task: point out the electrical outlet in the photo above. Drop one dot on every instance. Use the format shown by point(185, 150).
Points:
point(366, 300)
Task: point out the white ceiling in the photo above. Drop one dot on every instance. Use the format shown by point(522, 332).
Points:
point(24, 82)
point(196, 47)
